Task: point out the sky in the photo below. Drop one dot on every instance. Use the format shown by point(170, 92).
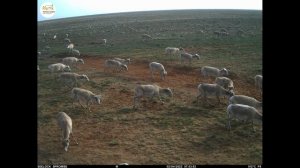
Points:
point(71, 8)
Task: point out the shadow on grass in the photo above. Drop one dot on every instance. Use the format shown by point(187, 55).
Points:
point(125, 110)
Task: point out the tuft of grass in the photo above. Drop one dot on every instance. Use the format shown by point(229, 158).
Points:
point(125, 110)
point(113, 143)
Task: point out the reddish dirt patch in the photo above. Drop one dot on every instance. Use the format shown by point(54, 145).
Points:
point(179, 77)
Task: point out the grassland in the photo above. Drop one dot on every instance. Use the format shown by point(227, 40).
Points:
point(176, 132)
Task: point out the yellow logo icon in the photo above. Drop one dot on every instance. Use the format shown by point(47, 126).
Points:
point(47, 9)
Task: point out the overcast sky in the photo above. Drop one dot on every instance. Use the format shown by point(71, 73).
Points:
point(70, 8)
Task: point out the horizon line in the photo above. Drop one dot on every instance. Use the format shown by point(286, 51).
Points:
point(46, 19)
